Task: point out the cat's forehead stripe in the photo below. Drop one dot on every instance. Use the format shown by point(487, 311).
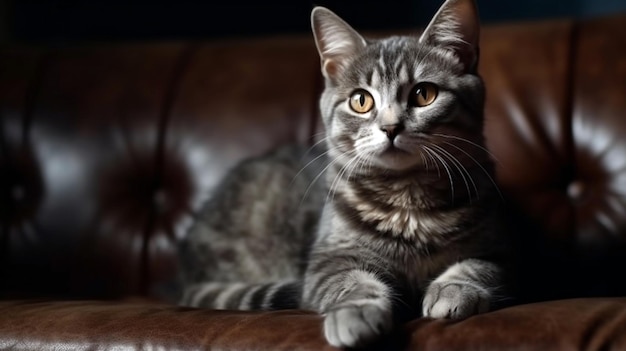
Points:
point(393, 63)
point(399, 61)
point(381, 59)
point(402, 73)
point(375, 77)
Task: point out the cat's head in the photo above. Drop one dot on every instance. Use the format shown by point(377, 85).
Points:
point(394, 102)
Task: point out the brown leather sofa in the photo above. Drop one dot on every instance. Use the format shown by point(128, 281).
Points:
point(107, 149)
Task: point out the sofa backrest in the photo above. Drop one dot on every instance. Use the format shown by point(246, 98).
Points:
point(106, 151)
point(556, 115)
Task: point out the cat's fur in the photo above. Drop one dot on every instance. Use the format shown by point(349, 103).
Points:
point(404, 224)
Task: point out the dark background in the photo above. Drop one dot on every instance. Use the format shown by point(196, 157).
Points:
point(116, 20)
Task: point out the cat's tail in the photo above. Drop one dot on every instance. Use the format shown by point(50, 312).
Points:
point(243, 296)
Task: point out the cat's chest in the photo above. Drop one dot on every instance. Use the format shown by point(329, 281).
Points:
point(401, 210)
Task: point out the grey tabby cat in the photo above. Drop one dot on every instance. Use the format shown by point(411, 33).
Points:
point(404, 224)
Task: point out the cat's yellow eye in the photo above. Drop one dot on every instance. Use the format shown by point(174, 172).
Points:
point(361, 101)
point(423, 94)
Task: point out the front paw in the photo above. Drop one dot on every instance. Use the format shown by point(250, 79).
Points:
point(455, 300)
point(356, 325)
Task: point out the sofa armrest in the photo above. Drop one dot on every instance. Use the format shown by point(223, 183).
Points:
point(585, 324)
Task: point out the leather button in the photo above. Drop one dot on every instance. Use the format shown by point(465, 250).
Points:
point(131, 196)
point(21, 186)
point(17, 193)
point(576, 191)
point(160, 200)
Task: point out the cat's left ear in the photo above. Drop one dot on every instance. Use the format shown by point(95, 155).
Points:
point(456, 27)
point(337, 42)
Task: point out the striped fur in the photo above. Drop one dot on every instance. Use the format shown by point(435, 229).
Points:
point(373, 227)
point(242, 296)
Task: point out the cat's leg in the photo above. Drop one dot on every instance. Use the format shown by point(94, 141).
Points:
point(354, 300)
point(464, 289)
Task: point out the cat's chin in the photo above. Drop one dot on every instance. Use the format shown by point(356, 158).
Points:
point(398, 160)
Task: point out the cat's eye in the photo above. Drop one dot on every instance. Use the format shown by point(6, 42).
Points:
point(361, 101)
point(423, 94)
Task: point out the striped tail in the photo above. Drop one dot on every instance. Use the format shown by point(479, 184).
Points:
point(243, 296)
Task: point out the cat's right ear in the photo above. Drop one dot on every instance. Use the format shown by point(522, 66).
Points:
point(337, 43)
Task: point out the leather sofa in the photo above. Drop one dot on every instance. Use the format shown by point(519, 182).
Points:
point(107, 149)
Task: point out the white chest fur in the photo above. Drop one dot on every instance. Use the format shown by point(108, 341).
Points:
point(399, 209)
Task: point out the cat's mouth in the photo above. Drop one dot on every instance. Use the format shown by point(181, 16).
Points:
point(401, 145)
point(394, 149)
point(398, 156)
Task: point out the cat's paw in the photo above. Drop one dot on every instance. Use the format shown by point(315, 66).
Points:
point(455, 300)
point(357, 325)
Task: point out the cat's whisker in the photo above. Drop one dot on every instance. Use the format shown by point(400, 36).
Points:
point(462, 170)
point(319, 134)
point(370, 163)
point(335, 182)
point(360, 165)
point(345, 168)
point(341, 170)
point(357, 165)
point(361, 162)
point(471, 143)
point(445, 166)
point(317, 177)
point(495, 185)
point(446, 155)
point(324, 139)
point(423, 158)
point(432, 159)
point(308, 164)
point(367, 146)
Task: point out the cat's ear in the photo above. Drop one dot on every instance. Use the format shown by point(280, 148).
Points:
point(456, 27)
point(337, 42)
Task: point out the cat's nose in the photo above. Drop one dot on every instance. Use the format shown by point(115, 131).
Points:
point(392, 130)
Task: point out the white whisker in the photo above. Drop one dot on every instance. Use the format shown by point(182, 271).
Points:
point(432, 159)
point(335, 183)
point(495, 185)
point(306, 192)
point(315, 144)
point(308, 164)
point(471, 143)
point(423, 158)
point(462, 170)
point(445, 165)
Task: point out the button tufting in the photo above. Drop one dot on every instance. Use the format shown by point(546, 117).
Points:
point(21, 186)
point(136, 194)
point(160, 200)
point(576, 190)
point(17, 193)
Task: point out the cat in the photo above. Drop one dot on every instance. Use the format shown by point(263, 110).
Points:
point(405, 223)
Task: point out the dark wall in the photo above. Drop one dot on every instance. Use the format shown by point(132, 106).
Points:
point(106, 20)
point(61, 20)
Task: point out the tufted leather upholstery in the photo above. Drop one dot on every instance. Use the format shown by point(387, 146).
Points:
point(555, 114)
point(584, 324)
point(106, 150)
